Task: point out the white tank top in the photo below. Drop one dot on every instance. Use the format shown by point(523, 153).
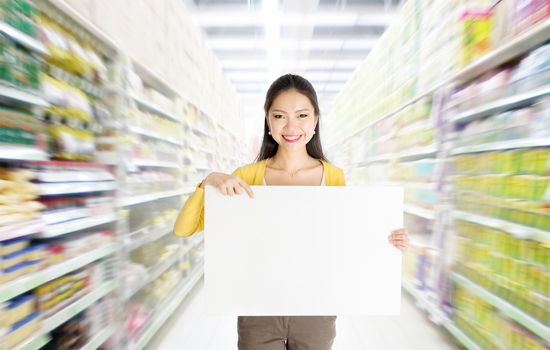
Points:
point(322, 180)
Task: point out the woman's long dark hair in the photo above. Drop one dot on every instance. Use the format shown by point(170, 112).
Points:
point(291, 82)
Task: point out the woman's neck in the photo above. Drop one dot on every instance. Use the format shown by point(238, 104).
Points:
point(291, 161)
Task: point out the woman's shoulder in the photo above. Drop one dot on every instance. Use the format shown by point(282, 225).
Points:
point(252, 173)
point(252, 167)
point(333, 168)
point(334, 175)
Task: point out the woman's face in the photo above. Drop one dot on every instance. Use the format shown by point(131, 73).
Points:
point(292, 120)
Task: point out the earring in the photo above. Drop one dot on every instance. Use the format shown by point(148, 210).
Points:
point(269, 132)
point(313, 132)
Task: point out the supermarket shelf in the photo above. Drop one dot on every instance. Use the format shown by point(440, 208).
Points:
point(73, 80)
point(411, 184)
point(202, 149)
point(416, 126)
point(422, 241)
point(19, 95)
point(502, 105)
point(23, 39)
point(424, 302)
point(152, 108)
point(167, 309)
point(202, 132)
point(20, 230)
point(189, 189)
point(506, 308)
point(53, 189)
point(460, 336)
point(78, 306)
point(23, 284)
point(154, 163)
point(502, 145)
point(66, 314)
point(74, 176)
point(154, 273)
point(99, 339)
point(143, 198)
point(35, 342)
point(521, 231)
point(419, 211)
point(161, 267)
point(519, 45)
point(76, 225)
point(13, 152)
point(150, 235)
point(416, 153)
point(153, 135)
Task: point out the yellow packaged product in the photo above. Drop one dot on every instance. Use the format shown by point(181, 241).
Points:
point(20, 331)
point(17, 309)
point(13, 245)
point(13, 259)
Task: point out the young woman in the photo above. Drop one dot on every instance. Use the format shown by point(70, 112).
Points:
point(291, 154)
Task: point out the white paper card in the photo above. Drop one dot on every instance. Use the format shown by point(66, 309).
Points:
point(303, 250)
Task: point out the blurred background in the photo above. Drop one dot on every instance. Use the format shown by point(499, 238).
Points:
point(112, 111)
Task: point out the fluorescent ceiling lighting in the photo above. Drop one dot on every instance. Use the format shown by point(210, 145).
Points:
point(359, 44)
point(245, 43)
point(244, 76)
point(227, 18)
point(272, 36)
point(351, 64)
point(244, 64)
point(260, 86)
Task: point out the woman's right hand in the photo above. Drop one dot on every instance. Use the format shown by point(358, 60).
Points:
point(229, 185)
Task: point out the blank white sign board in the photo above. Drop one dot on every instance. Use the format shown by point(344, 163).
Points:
point(303, 250)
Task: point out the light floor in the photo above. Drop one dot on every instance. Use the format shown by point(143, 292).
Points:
point(189, 329)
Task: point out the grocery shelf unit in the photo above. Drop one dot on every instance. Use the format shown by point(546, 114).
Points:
point(151, 147)
point(74, 199)
point(382, 109)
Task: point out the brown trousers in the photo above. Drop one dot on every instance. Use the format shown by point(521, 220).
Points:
point(286, 332)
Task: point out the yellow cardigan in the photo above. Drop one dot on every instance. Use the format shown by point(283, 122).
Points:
point(191, 218)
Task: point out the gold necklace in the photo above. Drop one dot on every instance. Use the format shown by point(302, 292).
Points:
point(291, 174)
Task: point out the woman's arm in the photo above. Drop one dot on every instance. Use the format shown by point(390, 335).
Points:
point(191, 217)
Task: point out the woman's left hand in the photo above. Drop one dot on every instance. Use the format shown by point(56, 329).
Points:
point(399, 239)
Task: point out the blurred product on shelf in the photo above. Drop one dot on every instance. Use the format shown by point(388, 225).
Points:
point(416, 171)
point(152, 124)
point(18, 67)
point(18, 196)
point(489, 328)
point(69, 53)
point(511, 185)
point(22, 257)
point(23, 316)
point(19, 14)
point(154, 216)
point(476, 25)
point(20, 127)
point(148, 181)
point(514, 269)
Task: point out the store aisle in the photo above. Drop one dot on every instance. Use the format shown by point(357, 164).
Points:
point(191, 330)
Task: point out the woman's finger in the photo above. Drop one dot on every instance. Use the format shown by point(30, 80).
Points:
point(238, 189)
point(247, 188)
point(223, 190)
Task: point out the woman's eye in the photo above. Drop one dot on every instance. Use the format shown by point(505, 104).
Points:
point(303, 115)
point(277, 116)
